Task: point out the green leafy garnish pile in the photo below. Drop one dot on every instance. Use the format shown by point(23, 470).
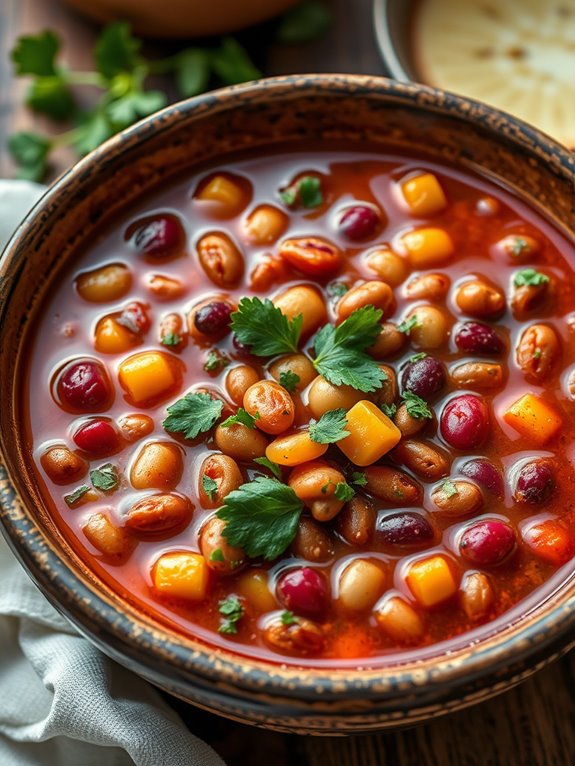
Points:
point(241, 418)
point(232, 612)
point(530, 278)
point(262, 326)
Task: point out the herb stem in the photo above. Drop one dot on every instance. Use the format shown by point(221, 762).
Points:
point(87, 78)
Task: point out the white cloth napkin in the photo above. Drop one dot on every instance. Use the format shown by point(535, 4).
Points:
point(63, 702)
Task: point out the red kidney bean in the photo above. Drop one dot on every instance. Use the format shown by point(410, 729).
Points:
point(159, 236)
point(241, 349)
point(487, 543)
point(535, 482)
point(84, 385)
point(359, 222)
point(407, 528)
point(98, 436)
point(213, 318)
point(484, 473)
point(478, 338)
point(464, 422)
point(424, 377)
point(303, 591)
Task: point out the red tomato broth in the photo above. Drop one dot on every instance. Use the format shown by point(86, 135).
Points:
point(68, 331)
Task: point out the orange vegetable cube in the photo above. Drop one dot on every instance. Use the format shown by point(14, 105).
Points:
point(550, 541)
point(423, 195)
point(371, 434)
point(148, 376)
point(113, 338)
point(223, 190)
point(253, 585)
point(181, 575)
point(294, 449)
point(431, 581)
point(428, 247)
point(534, 418)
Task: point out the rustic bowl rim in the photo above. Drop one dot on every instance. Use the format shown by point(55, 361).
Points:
point(143, 640)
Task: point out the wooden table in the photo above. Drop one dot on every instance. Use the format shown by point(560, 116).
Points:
point(533, 725)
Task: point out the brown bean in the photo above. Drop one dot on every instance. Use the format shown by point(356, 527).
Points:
point(301, 637)
point(166, 288)
point(356, 522)
point(62, 465)
point(389, 341)
point(158, 465)
point(407, 424)
point(221, 259)
point(106, 537)
point(389, 266)
point(476, 595)
point(268, 272)
point(304, 300)
point(457, 499)
point(104, 284)
point(479, 299)
point(298, 364)
point(240, 442)
point(377, 294)
point(538, 352)
point(172, 333)
point(314, 483)
point(238, 380)
point(528, 298)
point(392, 485)
point(425, 460)
point(388, 392)
point(218, 553)
point(360, 584)
point(311, 542)
point(324, 396)
point(225, 472)
point(477, 375)
point(265, 224)
point(519, 247)
point(400, 621)
point(430, 287)
point(136, 426)
point(159, 513)
point(431, 330)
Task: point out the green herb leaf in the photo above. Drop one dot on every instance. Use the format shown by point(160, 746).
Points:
point(262, 326)
point(289, 380)
point(270, 465)
point(36, 54)
point(232, 611)
point(51, 96)
point(358, 478)
point(449, 488)
point(305, 23)
point(74, 496)
point(116, 51)
point(242, 417)
point(537, 353)
point(306, 191)
point(216, 361)
point(389, 409)
point(340, 356)
point(261, 517)
point(232, 64)
point(93, 129)
point(517, 246)
point(171, 339)
point(217, 555)
point(105, 477)
point(337, 289)
point(417, 357)
point(192, 415)
point(408, 324)
point(529, 277)
point(416, 406)
point(30, 151)
point(288, 618)
point(192, 72)
point(343, 491)
point(209, 486)
point(134, 105)
point(330, 428)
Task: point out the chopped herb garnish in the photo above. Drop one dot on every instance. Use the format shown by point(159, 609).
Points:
point(358, 478)
point(389, 409)
point(217, 555)
point(289, 380)
point(172, 339)
point(325, 488)
point(288, 618)
point(343, 491)
point(261, 517)
point(306, 192)
point(530, 278)
point(337, 289)
point(216, 361)
point(416, 406)
point(537, 353)
point(232, 612)
point(242, 417)
point(517, 246)
point(74, 496)
point(209, 486)
point(330, 428)
point(449, 488)
point(408, 324)
point(417, 357)
point(270, 465)
point(105, 477)
point(262, 326)
point(193, 415)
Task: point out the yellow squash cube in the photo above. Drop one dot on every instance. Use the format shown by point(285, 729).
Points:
point(149, 376)
point(371, 434)
point(223, 190)
point(428, 247)
point(423, 195)
point(113, 338)
point(181, 575)
point(533, 418)
point(294, 449)
point(431, 581)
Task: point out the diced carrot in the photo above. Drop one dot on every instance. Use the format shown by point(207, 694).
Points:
point(423, 195)
point(113, 338)
point(294, 449)
point(181, 575)
point(371, 434)
point(534, 418)
point(428, 247)
point(550, 541)
point(148, 376)
point(431, 581)
point(223, 190)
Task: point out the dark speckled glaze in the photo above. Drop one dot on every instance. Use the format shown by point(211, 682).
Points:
point(347, 108)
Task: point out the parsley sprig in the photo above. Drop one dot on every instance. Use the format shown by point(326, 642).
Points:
point(193, 415)
point(242, 417)
point(530, 278)
point(330, 428)
point(232, 612)
point(264, 328)
point(416, 406)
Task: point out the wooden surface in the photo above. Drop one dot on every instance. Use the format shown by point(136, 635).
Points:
point(533, 725)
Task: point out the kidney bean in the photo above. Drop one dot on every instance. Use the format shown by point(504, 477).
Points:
point(303, 590)
point(389, 341)
point(538, 352)
point(392, 485)
point(218, 553)
point(158, 514)
point(456, 499)
point(359, 222)
point(221, 259)
point(479, 338)
point(356, 522)
point(62, 465)
point(464, 422)
point(312, 256)
point(83, 384)
point(225, 472)
point(425, 377)
point(270, 271)
point(388, 391)
point(431, 287)
point(535, 482)
point(212, 318)
point(314, 483)
point(487, 543)
point(476, 595)
point(407, 529)
point(240, 442)
point(238, 380)
point(377, 294)
point(300, 637)
point(311, 542)
point(106, 537)
point(479, 299)
point(136, 426)
point(157, 236)
point(528, 298)
point(425, 460)
point(165, 288)
point(478, 375)
point(484, 473)
point(407, 424)
point(98, 437)
point(158, 465)
point(106, 283)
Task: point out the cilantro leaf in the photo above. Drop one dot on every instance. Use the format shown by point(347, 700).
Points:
point(358, 478)
point(343, 491)
point(517, 246)
point(93, 129)
point(209, 486)
point(306, 191)
point(105, 477)
point(340, 351)
point(449, 488)
point(270, 465)
point(51, 96)
point(408, 324)
point(116, 51)
point(262, 326)
point(30, 152)
point(74, 496)
point(288, 618)
point(305, 23)
point(232, 611)
point(289, 380)
point(171, 339)
point(216, 361)
point(416, 406)
point(530, 278)
point(330, 428)
point(36, 54)
point(232, 64)
point(192, 415)
point(133, 105)
point(217, 555)
point(337, 289)
point(242, 417)
point(389, 409)
point(262, 517)
point(192, 72)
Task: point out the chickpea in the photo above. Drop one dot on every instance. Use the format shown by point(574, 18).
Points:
point(389, 341)
point(272, 403)
point(388, 392)
point(476, 595)
point(238, 380)
point(159, 514)
point(265, 225)
point(477, 375)
point(377, 294)
point(392, 485)
point(429, 287)
point(166, 288)
point(425, 460)
point(538, 352)
point(105, 284)
point(218, 553)
point(240, 442)
point(456, 499)
point(432, 329)
point(407, 424)
point(225, 472)
point(297, 364)
point(389, 266)
point(360, 584)
point(314, 483)
point(109, 539)
point(221, 259)
point(400, 621)
point(478, 299)
point(324, 396)
point(356, 522)
point(304, 300)
point(300, 637)
point(311, 542)
point(172, 333)
point(158, 465)
point(63, 466)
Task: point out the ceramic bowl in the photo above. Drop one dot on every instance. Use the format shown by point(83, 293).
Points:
point(415, 686)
